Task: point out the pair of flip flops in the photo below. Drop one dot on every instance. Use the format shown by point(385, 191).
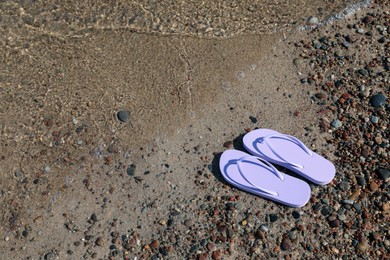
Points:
point(255, 174)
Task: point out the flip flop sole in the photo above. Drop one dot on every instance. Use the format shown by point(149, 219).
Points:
point(316, 168)
point(290, 191)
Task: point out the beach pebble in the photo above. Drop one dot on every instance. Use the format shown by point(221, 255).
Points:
point(216, 255)
point(273, 217)
point(292, 235)
point(349, 202)
point(345, 44)
point(188, 222)
point(211, 247)
point(47, 169)
point(378, 100)
point(363, 72)
point(334, 223)
point(94, 217)
point(374, 119)
point(296, 214)
point(253, 119)
point(123, 115)
point(361, 181)
point(313, 21)
point(342, 217)
point(382, 40)
point(228, 144)
point(325, 211)
point(154, 244)
point(286, 244)
point(320, 95)
point(362, 246)
point(239, 206)
point(336, 123)
point(130, 170)
point(383, 173)
point(339, 54)
point(100, 241)
point(344, 186)
point(367, 19)
point(50, 256)
point(360, 31)
point(373, 186)
point(264, 227)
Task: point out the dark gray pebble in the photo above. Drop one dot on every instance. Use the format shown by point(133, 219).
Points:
point(295, 214)
point(363, 72)
point(316, 44)
point(130, 170)
point(345, 44)
point(325, 211)
point(194, 248)
point(383, 173)
point(334, 223)
point(378, 100)
point(273, 217)
point(344, 186)
point(357, 207)
point(361, 181)
point(321, 95)
point(94, 217)
point(253, 119)
point(50, 256)
point(369, 33)
point(188, 222)
point(382, 40)
point(123, 115)
point(292, 235)
point(338, 83)
point(239, 206)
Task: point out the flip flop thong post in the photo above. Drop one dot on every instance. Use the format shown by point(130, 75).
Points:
point(259, 177)
point(291, 153)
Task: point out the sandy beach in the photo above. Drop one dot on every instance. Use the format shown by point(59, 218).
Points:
point(113, 118)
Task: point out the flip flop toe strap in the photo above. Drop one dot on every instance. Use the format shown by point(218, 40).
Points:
point(290, 138)
point(261, 163)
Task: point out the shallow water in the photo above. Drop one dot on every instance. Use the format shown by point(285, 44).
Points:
point(219, 18)
point(159, 60)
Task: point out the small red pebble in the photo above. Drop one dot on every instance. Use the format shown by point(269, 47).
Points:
point(66, 159)
point(228, 144)
point(202, 256)
point(346, 96)
point(216, 254)
point(154, 244)
point(324, 111)
point(232, 198)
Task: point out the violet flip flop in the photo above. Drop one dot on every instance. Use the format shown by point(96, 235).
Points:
point(291, 153)
point(259, 177)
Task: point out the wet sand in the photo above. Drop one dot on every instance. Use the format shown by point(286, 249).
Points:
point(75, 180)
